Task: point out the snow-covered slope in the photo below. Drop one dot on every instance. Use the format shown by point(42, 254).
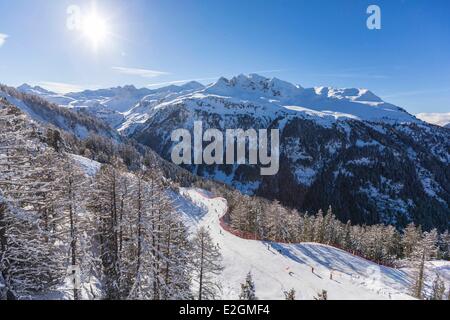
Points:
point(142, 111)
point(120, 107)
point(46, 94)
point(279, 267)
point(88, 166)
point(44, 111)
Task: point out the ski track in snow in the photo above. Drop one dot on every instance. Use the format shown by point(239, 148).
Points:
point(279, 267)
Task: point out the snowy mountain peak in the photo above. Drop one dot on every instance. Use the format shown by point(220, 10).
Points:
point(193, 85)
point(255, 85)
point(26, 88)
point(352, 94)
point(128, 87)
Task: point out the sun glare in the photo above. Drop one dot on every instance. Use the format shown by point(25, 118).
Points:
point(95, 28)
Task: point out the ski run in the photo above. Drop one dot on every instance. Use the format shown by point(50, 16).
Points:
point(308, 268)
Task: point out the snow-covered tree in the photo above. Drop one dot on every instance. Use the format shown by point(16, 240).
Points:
point(76, 225)
point(444, 245)
point(248, 289)
point(206, 263)
point(290, 295)
point(322, 295)
point(103, 204)
point(319, 227)
point(438, 289)
point(29, 258)
point(411, 236)
point(425, 249)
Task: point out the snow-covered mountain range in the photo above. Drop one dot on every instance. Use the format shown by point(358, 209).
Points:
point(128, 106)
point(371, 160)
point(120, 107)
point(35, 103)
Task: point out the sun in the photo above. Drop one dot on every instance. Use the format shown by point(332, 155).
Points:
point(95, 28)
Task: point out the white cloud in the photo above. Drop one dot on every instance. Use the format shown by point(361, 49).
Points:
point(3, 38)
point(440, 119)
point(145, 73)
point(60, 87)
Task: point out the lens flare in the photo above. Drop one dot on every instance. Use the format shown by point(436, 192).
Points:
point(95, 28)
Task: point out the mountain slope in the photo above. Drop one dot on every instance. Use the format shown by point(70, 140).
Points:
point(40, 109)
point(277, 268)
point(372, 161)
point(120, 107)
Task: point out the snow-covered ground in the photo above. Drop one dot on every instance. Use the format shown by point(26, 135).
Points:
point(279, 267)
point(88, 166)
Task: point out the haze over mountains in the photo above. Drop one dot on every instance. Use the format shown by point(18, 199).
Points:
point(440, 119)
point(371, 160)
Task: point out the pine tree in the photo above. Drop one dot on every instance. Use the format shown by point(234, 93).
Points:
point(276, 220)
point(240, 216)
point(411, 236)
point(329, 228)
point(444, 244)
point(322, 296)
point(438, 289)
point(248, 289)
point(75, 226)
point(177, 271)
point(290, 295)
point(206, 262)
point(319, 227)
point(425, 249)
point(104, 205)
point(347, 241)
point(29, 257)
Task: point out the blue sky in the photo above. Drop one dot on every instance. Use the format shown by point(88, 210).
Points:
point(312, 43)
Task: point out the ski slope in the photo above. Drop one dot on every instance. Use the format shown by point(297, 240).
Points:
point(279, 267)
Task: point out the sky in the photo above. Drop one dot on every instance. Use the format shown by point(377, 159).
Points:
point(151, 43)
